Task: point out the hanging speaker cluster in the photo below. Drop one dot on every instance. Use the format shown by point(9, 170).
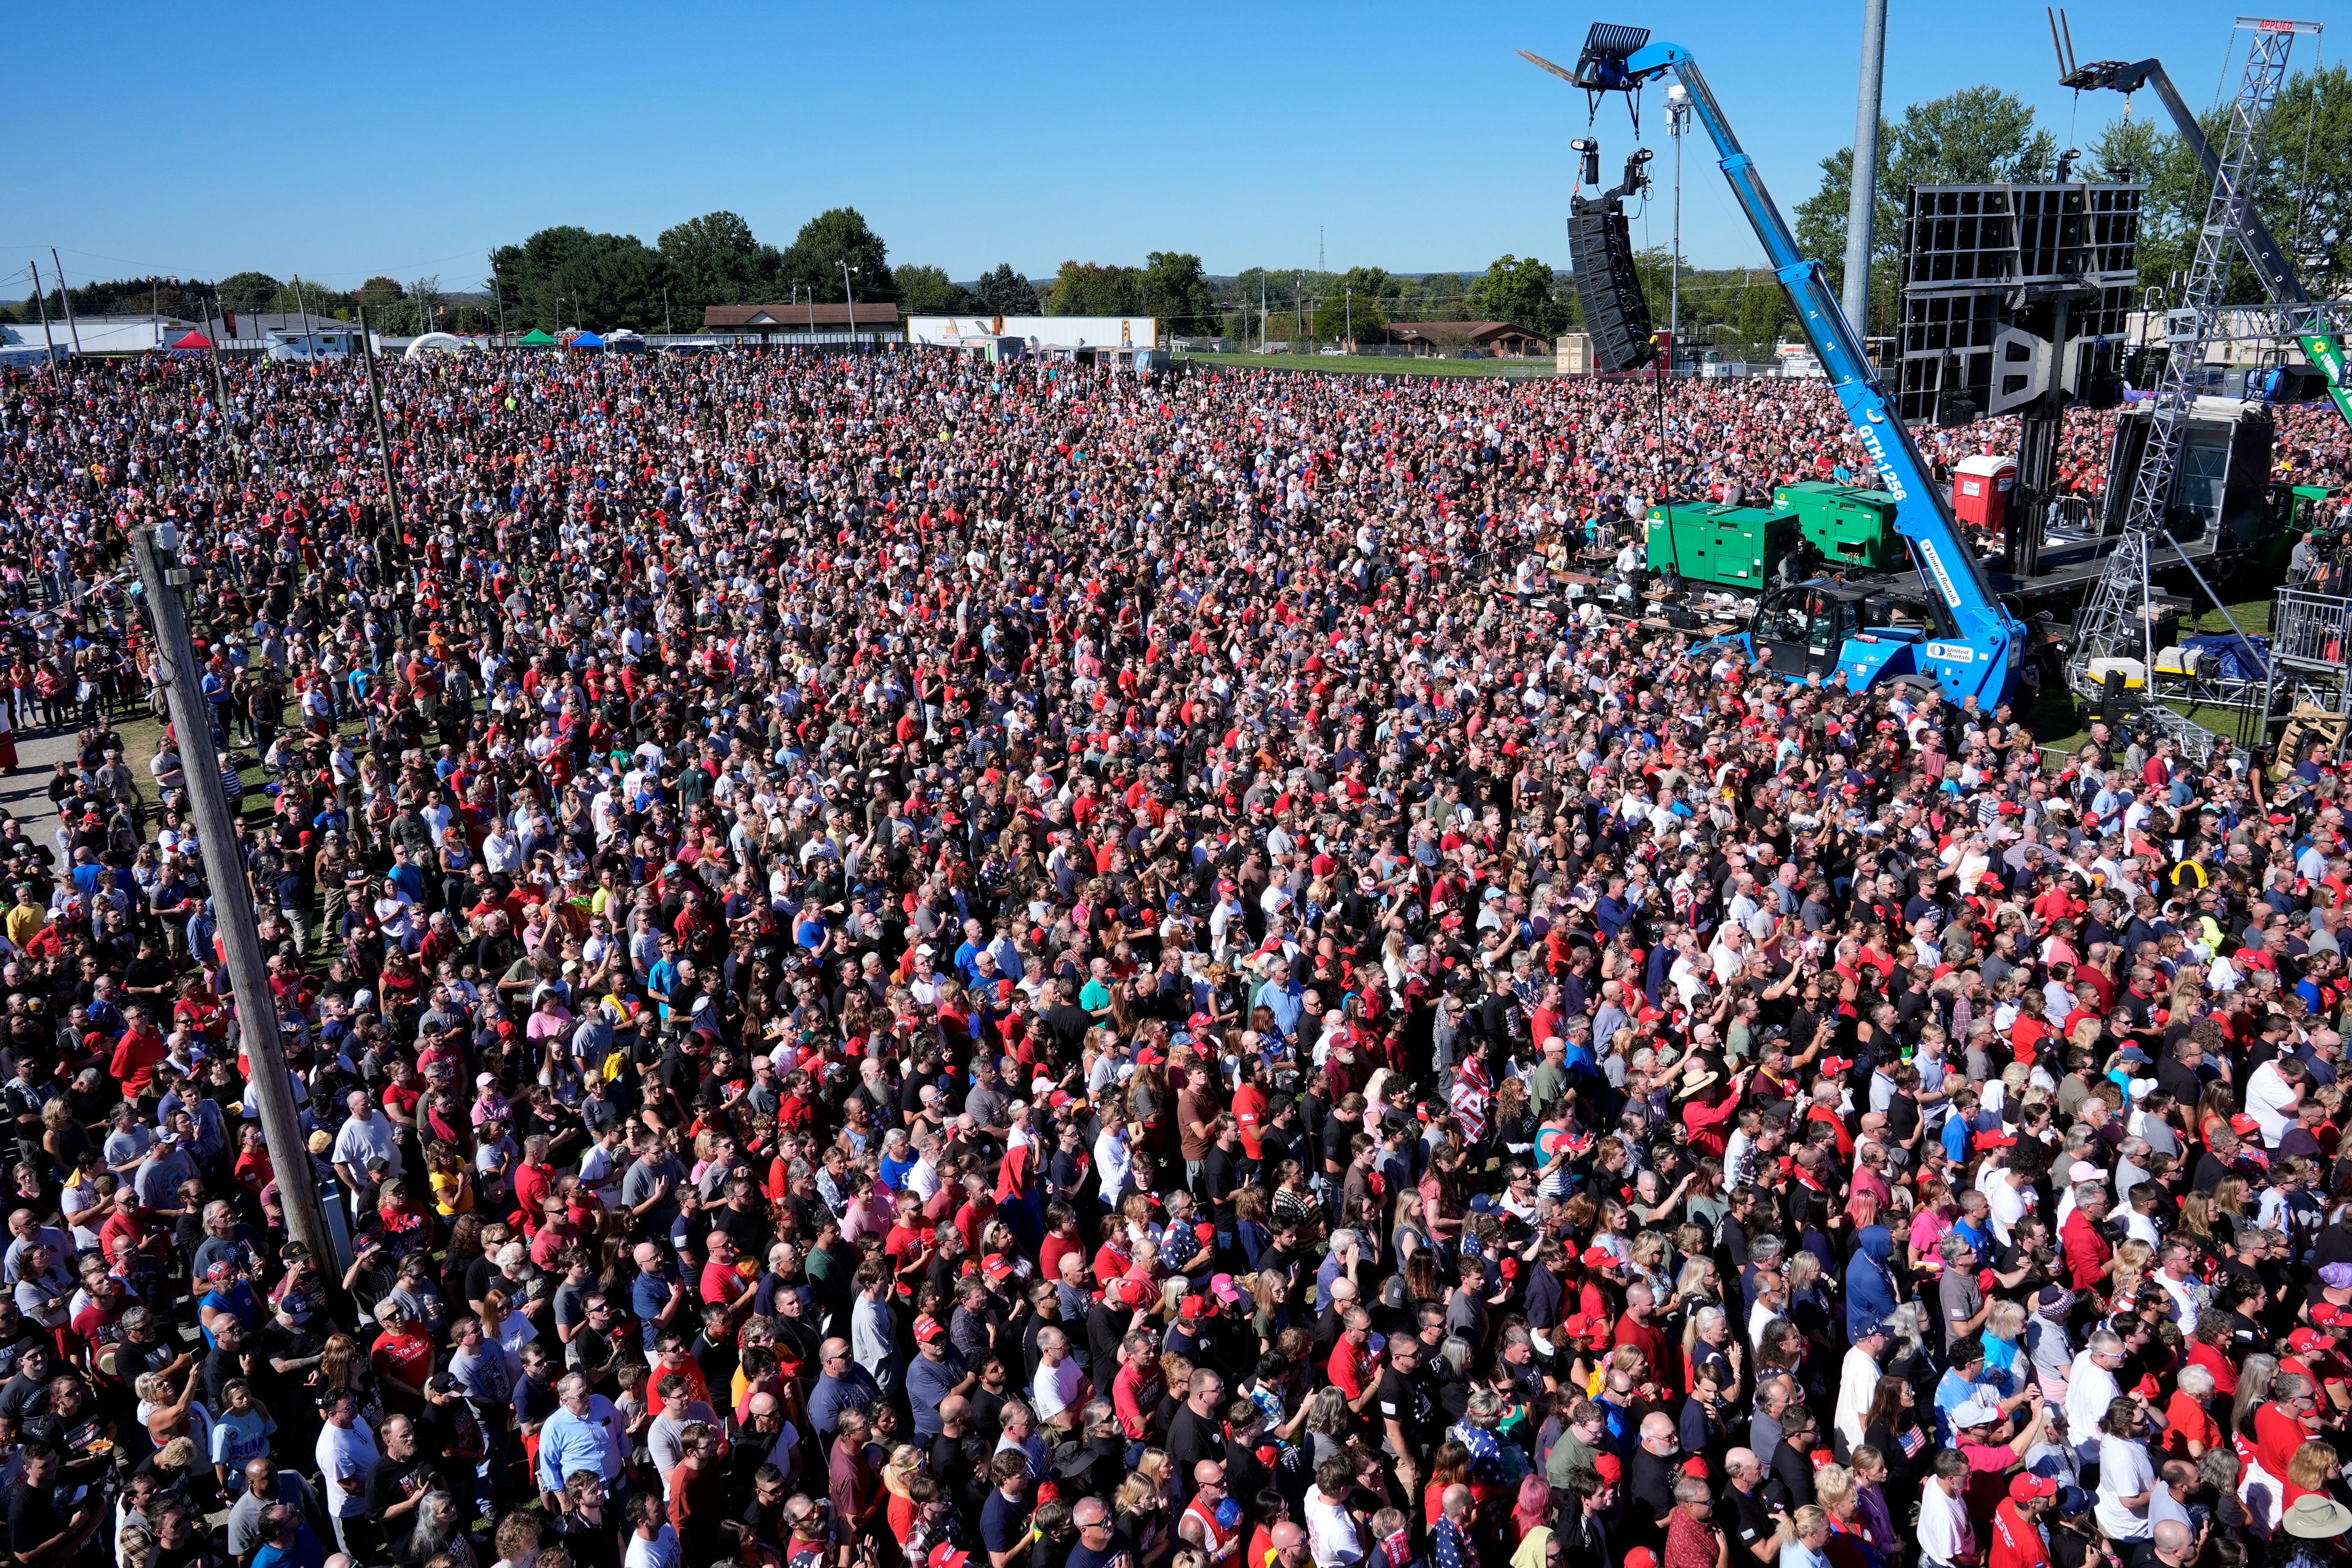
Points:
point(1601, 250)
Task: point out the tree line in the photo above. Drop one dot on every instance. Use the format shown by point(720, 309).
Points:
point(2302, 183)
point(569, 276)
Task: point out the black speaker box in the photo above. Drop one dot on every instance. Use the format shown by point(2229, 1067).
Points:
point(1615, 312)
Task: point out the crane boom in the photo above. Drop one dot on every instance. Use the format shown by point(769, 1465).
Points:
point(2254, 238)
point(1982, 645)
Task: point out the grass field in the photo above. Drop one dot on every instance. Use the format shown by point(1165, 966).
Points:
point(2061, 721)
point(1378, 364)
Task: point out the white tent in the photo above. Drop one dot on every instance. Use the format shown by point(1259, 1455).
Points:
point(435, 343)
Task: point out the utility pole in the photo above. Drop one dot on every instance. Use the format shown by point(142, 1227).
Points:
point(376, 402)
point(1862, 205)
point(1261, 310)
point(498, 298)
point(1351, 316)
point(851, 295)
point(64, 296)
point(257, 1010)
point(1298, 305)
point(1678, 113)
point(47, 342)
point(1318, 249)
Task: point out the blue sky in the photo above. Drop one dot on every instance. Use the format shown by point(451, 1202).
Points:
point(1411, 135)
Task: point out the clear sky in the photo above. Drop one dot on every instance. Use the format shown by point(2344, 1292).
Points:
point(339, 142)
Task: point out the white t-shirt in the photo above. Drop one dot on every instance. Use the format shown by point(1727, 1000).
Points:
point(342, 1454)
point(2270, 1100)
point(1331, 1531)
point(1057, 1387)
point(359, 1142)
point(2124, 1471)
point(1944, 1530)
point(661, 1552)
point(2090, 1389)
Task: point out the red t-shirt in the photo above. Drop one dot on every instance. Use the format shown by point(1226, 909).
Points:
point(1349, 1362)
point(135, 1056)
point(408, 1356)
point(2187, 1422)
point(2015, 1542)
point(2087, 1252)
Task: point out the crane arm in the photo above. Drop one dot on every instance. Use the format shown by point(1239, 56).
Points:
point(2262, 250)
point(1989, 640)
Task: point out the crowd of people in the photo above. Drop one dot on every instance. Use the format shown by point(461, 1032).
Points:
point(892, 963)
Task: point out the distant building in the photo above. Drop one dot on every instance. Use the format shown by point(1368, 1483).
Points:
point(138, 334)
point(1499, 338)
point(762, 322)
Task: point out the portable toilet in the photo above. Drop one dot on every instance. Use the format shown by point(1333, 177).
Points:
point(1981, 487)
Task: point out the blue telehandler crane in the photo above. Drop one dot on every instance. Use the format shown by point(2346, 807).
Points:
point(1972, 646)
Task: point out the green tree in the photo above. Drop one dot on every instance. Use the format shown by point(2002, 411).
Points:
point(1004, 292)
point(832, 238)
point(1439, 297)
point(1095, 288)
point(714, 259)
point(1346, 317)
point(2304, 185)
point(567, 276)
point(1520, 291)
point(1176, 291)
point(925, 289)
point(245, 291)
point(1976, 135)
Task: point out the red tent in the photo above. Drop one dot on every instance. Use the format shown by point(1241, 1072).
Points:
point(194, 340)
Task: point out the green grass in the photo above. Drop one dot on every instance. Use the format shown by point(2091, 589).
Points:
point(1378, 364)
point(2063, 722)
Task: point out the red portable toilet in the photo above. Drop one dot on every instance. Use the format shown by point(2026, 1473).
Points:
point(1981, 491)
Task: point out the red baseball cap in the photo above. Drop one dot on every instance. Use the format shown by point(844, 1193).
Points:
point(2025, 1485)
point(927, 1329)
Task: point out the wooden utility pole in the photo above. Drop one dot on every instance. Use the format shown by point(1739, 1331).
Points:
point(160, 574)
point(73, 327)
point(375, 403)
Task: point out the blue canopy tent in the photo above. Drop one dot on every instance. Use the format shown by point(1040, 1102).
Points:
point(585, 340)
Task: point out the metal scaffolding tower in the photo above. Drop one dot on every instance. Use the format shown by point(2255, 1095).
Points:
point(2114, 621)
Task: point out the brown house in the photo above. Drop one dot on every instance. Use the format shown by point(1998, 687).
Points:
point(1499, 338)
point(873, 316)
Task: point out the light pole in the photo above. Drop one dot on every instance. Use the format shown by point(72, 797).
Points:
point(1678, 113)
point(1350, 308)
point(852, 294)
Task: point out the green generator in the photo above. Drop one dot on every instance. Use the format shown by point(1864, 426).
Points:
point(1846, 525)
point(1726, 546)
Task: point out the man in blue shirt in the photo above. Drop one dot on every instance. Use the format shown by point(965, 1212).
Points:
point(842, 1385)
point(1284, 998)
point(577, 1437)
point(938, 1370)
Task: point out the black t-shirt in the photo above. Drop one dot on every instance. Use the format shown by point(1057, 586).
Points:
point(1004, 1520)
point(1750, 1522)
point(1409, 1402)
point(1192, 1439)
point(34, 1516)
point(21, 1398)
point(383, 1484)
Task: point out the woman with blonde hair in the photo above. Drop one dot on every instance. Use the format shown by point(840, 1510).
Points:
point(1141, 1511)
point(904, 1465)
point(2310, 1470)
